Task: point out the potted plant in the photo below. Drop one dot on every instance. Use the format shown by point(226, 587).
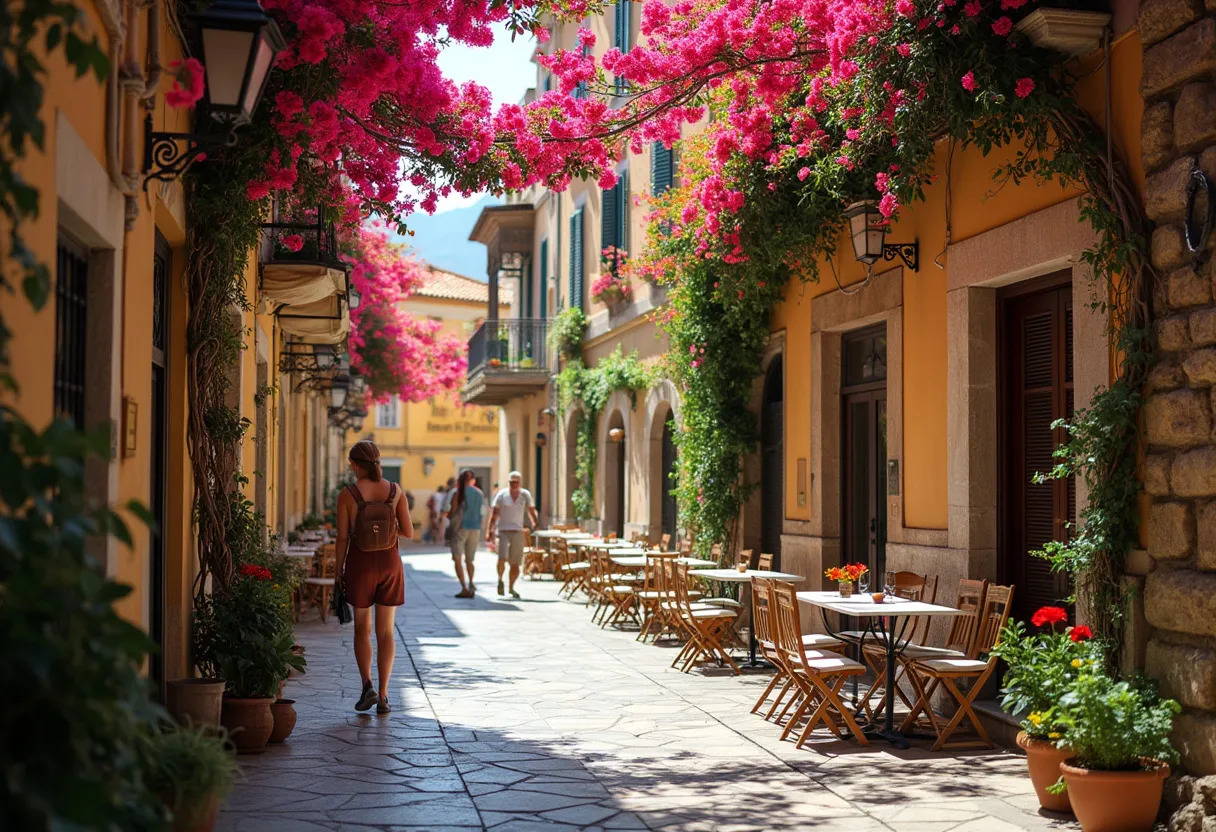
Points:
point(845, 575)
point(612, 289)
point(567, 331)
point(243, 634)
point(194, 701)
point(1043, 667)
point(1119, 734)
point(283, 715)
point(192, 771)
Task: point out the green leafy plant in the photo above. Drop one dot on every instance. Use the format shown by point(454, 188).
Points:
point(566, 332)
point(1043, 667)
point(242, 634)
point(192, 770)
point(76, 710)
point(1116, 725)
point(590, 388)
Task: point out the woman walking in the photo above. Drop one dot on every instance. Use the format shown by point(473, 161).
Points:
point(371, 516)
point(466, 518)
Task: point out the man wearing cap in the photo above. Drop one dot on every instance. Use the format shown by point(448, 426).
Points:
point(512, 507)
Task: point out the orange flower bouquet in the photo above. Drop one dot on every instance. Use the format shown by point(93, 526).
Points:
point(845, 575)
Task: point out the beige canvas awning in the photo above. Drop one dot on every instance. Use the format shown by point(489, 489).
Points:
point(325, 321)
point(295, 284)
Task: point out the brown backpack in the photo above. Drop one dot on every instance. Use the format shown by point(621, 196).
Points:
point(375, 523)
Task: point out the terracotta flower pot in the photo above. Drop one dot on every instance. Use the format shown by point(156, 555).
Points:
point(284, 719)
point(1115, 801)
point(249, 723)
point(200, 821)
point(1043, 762)
point(195, 701)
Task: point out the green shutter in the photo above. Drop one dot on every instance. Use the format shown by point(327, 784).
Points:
point(621, 39)
point(608, 218)
point(544, 280)
point(622, 211)
point(576, 259)
point(662, 166)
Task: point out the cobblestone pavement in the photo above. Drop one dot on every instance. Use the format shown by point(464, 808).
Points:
point(522, 715)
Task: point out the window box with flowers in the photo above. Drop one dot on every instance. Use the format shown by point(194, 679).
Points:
point(613, 288)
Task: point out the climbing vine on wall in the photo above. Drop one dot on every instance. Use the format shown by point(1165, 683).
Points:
point(728, 241)
point(589, 388)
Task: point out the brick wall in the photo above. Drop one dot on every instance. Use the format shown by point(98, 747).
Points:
point(1179, 131)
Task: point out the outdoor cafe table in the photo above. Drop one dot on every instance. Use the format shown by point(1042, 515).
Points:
point(883, 616)
point(734, 576)
point(637, 558)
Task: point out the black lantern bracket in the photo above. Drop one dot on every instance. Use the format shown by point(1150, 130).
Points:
point(168, 155)
point(909, 253)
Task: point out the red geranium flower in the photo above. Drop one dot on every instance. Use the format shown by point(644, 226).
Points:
point(1048, 615)
point(252, 570)
point(1080, 633)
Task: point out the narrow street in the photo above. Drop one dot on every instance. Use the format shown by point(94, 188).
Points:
point(523, 715)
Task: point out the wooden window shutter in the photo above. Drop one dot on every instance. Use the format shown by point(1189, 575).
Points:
point(622, 211)
point(621, 40)
point(544, 279)
point(661, 164)
point(576, 259)
point(608, 218)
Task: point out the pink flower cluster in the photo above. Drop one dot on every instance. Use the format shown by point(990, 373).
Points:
point(610, 287)
point(400, 354)
point(189, 80)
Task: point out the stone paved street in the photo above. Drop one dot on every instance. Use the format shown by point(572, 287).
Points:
point(523, 715)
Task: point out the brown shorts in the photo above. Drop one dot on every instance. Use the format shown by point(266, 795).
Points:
point(374, 578)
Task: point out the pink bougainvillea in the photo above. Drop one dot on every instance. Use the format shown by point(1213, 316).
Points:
point(400, 354)
point(189, 82)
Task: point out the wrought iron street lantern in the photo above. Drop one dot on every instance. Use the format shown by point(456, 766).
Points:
point(324, 354)
point(239, 43)
point(339, 387)
point(868, 228)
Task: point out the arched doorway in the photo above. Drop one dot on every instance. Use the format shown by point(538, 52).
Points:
point(668, 510)
point(772, 460)
point(614, 480)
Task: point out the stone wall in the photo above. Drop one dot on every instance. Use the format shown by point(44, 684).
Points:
point(1179, 587)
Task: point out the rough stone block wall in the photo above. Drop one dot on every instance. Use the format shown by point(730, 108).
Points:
point(1179, 596)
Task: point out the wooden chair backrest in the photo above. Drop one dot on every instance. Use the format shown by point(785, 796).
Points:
point(561, 551)
point(328, 557)
point(664, 541)
point(997, 604)
point(761, 610)
point(653, 576)
point(679, 574)
point(964, 627)
point(715, 551)
point(765, 561)
point(744, 557)
point(787, 623)
point(685, 547)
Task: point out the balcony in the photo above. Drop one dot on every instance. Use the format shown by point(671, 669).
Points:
point(507, 359)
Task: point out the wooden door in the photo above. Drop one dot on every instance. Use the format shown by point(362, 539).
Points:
point(864, 450)
point(772, 462)
point(1038, 390)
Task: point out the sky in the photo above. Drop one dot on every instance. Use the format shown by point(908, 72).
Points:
point(505, 68)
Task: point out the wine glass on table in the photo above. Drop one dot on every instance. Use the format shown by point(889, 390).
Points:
point(863, 582)
point(888, 583)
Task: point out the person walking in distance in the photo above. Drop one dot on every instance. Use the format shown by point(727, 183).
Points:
point(371, 517)
point(466, 516)
point(512, 507)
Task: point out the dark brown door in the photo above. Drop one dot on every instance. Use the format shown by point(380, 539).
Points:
point(772, 462)
point(1037, 368)
point(864, 457)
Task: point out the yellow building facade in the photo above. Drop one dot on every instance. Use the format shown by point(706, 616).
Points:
point(422, 444)
point(108, 350)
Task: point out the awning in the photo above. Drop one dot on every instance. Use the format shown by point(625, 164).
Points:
point(325, 321)
point(294, 284)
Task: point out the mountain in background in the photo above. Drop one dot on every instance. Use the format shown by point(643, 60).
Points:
point(442, 239)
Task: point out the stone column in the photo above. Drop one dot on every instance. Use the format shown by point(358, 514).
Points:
point(1179, 132)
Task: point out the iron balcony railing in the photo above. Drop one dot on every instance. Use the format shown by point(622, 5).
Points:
point(515, 344)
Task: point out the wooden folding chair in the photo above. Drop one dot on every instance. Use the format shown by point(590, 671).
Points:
point(534, 557)
point(928, 674)
point(652, 597)
point(817, 675)
point(764, 562)
point(320, 587)
point(705, 626)
point(617, 594)
point(574, 575)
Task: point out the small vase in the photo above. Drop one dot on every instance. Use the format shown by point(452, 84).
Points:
point(1115, 801)
point(249, 723)
point(284, 715)
point(1043, 763)
point(846, 589)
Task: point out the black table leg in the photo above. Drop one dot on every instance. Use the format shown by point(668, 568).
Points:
point(752, 662)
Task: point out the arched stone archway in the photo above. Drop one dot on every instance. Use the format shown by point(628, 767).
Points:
point(662, 420)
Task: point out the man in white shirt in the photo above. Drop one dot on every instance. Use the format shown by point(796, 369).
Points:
point(512, 508)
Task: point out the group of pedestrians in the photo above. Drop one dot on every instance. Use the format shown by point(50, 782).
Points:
point(510, 510)
point(372, 516)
